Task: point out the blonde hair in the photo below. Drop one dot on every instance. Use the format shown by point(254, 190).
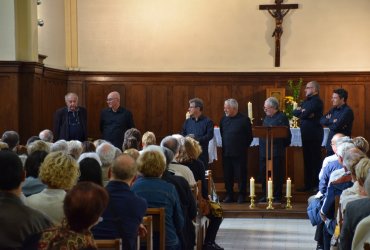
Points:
point(133, 152)
point(59, 170)
point(190, 151)
point(361, 143)
point(148, 138)
point(38, 145)
point(151, 163)
point(362, 168)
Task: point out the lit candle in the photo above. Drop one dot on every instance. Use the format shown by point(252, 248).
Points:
point(295, 105)
point(187, 115)
point(269, 188)
point(250, 110)
point(251, 186)
point(288, 187)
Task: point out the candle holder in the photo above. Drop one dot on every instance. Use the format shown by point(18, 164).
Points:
point(270, 203)
point(251, 206)
point(251, 118)
point(288, 204)
point(295, 122)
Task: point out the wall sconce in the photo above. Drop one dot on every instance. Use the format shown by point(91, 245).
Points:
point(40, 22)
point(38, 2)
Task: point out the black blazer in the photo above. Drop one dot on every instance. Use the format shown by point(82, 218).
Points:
point(61, 128)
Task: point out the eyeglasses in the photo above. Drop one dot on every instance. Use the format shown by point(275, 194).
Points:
point(192, 107)
point(309, 87)
point(110, 99)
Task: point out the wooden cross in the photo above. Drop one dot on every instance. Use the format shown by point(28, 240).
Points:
point(278, 11)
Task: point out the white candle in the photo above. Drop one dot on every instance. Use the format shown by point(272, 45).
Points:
point(250, 110)
point(288, 187)
point(269, 188)
point(251, 186)
point(295, 105)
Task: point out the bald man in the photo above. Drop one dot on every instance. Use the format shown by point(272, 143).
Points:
point(115, 120)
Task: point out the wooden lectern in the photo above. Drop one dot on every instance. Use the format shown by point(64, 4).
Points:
point(270, 133)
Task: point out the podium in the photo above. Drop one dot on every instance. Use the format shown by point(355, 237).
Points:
point(270, 133)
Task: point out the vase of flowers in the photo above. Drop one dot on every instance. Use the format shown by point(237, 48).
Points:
point(291, 101)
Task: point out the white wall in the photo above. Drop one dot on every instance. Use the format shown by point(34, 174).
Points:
point(213, 35)
point(7, 31)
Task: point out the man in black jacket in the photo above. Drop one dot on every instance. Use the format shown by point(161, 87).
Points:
point(236, 133)
point(70, 123)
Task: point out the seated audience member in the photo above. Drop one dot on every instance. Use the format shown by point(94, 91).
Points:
point(17, 221)
point(90, 170)
point(32, 184)
point(97, 142)
point(355, 211)
point(75, 148)
point(174, 145)
point(90, 155)
point(159, 193)
point(59, 172)
point(3, 146)
point(60, 145)
point(11, 138)
point(82, 206)
point(125, 210)
point(332, 157)
point(46, 135)
point(132, 139)
point(134, 153)
point(361, 143)
point(107, 153)
point(32, 139)
point(38, 146)
point(148, 139)
point(362, 234)
point(88, 146)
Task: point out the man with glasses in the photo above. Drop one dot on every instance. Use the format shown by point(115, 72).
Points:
point(115, 120)
point(199, 127)
point(309, 114)
point(339, 119)
point(70, 122)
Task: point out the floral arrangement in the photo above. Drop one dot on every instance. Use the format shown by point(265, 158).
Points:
point(291, 100)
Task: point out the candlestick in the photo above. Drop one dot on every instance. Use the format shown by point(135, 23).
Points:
point(288, 204)
point(269, 206)
point(252, 202)
point(295, 105)
point(269, 188)
point(251, 187)
point(288, 187)
point(250, 110)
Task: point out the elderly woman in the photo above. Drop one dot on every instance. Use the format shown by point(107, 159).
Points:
point(83, 205)
point(59, 172)
point(159, 193)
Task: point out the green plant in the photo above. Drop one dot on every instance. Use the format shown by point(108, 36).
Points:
point(294, 88)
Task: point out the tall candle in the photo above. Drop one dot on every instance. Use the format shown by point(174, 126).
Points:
point(295, 105)
point(269, 188)
point(250, 110)
point(251, 186)
point(288, 187)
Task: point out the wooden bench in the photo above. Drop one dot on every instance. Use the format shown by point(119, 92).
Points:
point(158, 224)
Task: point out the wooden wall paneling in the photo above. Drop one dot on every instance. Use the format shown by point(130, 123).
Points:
point(219, 93)
point(95, 102)
point(157, 115)
point(356, 100)
point(137, 102)
point(326, 92)
point(79, 88)
point(180, 104)
point(203, 91)
point(366, 110)
point(9, 108)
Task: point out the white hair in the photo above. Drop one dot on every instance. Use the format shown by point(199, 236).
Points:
point(60, 145)
point(92, 155)
point(155, 148)
point(75, 148)
point(343, 147)
point(107, 153)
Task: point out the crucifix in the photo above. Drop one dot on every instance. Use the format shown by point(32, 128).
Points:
point(278, 11)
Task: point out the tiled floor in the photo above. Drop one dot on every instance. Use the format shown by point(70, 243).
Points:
point(266, 234)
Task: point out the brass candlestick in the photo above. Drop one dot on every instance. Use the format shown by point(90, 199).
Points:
point(295, 122)
point(270, 203)
point(251, 118)
point(288, 204)
point(251, 206)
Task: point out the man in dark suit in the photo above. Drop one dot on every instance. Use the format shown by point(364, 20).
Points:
point(309, 114)
point(70, 123)
point(236, 133)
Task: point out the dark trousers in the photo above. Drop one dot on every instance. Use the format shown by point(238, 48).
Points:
point(279, 174)
point(312, 162)
point(235, 167)
point(212, 229)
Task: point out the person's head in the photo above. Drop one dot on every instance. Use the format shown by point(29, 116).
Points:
point(171, 143)
point(32, 139)
point(312, 88)
point(88, 146)
point(351, 157)
point(343, 147)
point(168, 155)
point(148, 139)
point(60, 145)
point(46, 135)
point(33, 163)
point(59, 170)
point(11, 169)
point(90, 170)
point(191, 150)
point(11, 138)
point(114, 100)
point(339, 97)
point(90, 155)
point(231, 107)
point(362, 169)
point(334, 140)
point(133, 152)
point(3, 146)
point(130, 142)
point(75, 148)
point(152, 162)
point(71, 101)
point(124, 168)
point(97, 142)
point(84, 204)
point(271, 106)
point(361, 143)
point(195, 107)
point(107, 153)
point(38, 146)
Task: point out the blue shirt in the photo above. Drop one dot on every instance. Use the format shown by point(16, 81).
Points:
point(324, 180)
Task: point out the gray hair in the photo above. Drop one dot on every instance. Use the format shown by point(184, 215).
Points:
point(107, 153)
point(198, 103)
point(273, 102)
point(168, 154)
point(70, 94)
point(92, 155)
point(171, 143)
point(351, 157)
point(232, 103)
point(75, 148)
point(60, 145)
point(343, 147)
point(343, 140)
point(315, 85)
point(46, 135)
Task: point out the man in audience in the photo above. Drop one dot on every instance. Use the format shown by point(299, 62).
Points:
point(125, 210)
point(46, 135)
point(236, 133)
point(115, 120)
point(70, 122)
point(199, 127)
point(18, 221)
point(340, 117)
point(107, 153)
point(11, 138)
point(309, 114)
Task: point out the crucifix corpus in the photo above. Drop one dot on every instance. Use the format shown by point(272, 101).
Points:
point(278, 11)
